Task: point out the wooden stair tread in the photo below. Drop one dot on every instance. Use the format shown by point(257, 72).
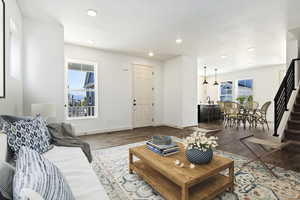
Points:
point(294, 121)
point(295, 113)
point(293, 131)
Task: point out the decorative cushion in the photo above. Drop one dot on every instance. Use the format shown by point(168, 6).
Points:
point(35, 172)
point(30, 133)
point(6, 180)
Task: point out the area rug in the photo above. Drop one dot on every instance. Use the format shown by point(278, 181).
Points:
point(251, 183)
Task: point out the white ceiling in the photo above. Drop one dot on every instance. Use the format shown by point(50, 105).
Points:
point(209, 29)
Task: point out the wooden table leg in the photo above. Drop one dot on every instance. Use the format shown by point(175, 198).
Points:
point(130, 162)
point(184, 193)
point(231, 176)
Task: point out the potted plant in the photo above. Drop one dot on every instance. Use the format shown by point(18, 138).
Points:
point(241, 99)
point(199, 147)
point(250, 98)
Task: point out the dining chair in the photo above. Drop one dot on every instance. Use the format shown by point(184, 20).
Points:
point(232, 110)
point(249, 112)
point(227, 111)
point(222, 108)
point(260, 115)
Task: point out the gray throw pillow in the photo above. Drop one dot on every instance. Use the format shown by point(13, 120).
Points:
point(2, 197)
point(35, 172)
point(6, 180)
point(30, 133)
point(12, 119)
point(3, 124)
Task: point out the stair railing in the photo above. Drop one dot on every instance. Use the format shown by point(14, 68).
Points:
point(283, 95)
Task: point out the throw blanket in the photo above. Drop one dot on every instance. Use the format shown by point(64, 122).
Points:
point(62, 135)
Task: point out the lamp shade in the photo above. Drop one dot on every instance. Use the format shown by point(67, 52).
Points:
point(44, 110)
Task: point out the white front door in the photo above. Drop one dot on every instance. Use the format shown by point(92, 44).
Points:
point(142, 96)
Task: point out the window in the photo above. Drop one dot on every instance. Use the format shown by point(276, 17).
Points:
point(226, 91)
point(81, 90)
point(15, 51)
point(245, 88)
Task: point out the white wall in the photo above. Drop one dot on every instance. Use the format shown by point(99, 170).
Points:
point(13, 103)
point(173, 92)
point(115, 89)
point(266, 81)
point(180, 92)
point(189, 91)
point(291, 50)
point(43, 65)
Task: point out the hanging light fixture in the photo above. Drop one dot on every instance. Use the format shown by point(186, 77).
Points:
point(205, 81)
point(216, 82)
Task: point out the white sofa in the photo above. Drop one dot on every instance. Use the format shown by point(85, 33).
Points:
point(74, 165)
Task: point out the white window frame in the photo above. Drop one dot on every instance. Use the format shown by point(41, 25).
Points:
point(233, 89)
point(237, 86)
point(95, 64)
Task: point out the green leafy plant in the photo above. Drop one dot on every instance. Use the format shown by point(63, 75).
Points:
point(250, 98)
point(241, 99)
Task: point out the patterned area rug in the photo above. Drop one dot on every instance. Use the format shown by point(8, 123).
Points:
point(252, 182)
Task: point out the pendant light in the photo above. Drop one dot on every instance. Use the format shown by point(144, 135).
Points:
point(205, 81)
point(216, 83)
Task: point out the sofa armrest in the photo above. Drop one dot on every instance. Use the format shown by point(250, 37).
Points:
point(3, 147)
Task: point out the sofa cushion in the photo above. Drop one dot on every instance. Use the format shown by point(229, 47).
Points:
point(33, 134)
point(6, 181)
point(3, 147)
point(78, 172)
point(35, 172)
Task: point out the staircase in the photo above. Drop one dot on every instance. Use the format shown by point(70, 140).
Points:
point(293, 129)
point(281, 101)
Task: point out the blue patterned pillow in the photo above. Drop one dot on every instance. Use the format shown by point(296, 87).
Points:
point(30, 133)
point(35, 172)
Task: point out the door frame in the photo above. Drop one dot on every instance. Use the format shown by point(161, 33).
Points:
point(133, 94)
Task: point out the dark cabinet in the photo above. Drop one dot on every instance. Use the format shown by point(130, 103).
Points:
point(208, 112)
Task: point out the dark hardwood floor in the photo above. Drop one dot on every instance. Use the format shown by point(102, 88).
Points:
point(228, 141)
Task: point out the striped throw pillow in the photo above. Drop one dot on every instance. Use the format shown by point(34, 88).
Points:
point(35, 172)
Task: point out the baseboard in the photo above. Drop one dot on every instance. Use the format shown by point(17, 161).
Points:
point(190, 125)
point(99, 131)
point(172, 126)
point(93, 132)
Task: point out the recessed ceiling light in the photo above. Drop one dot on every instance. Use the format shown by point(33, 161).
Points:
point(223, 56)
point(251, 49)
point(91, 13)
point(178, 40)
point(151, 54)
point(90, 42)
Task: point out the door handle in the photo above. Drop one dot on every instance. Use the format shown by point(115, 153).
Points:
point(134, 104)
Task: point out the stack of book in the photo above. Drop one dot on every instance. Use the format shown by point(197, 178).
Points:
point(163, 149)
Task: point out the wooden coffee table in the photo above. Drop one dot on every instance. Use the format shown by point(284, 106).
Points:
point(172, 182)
